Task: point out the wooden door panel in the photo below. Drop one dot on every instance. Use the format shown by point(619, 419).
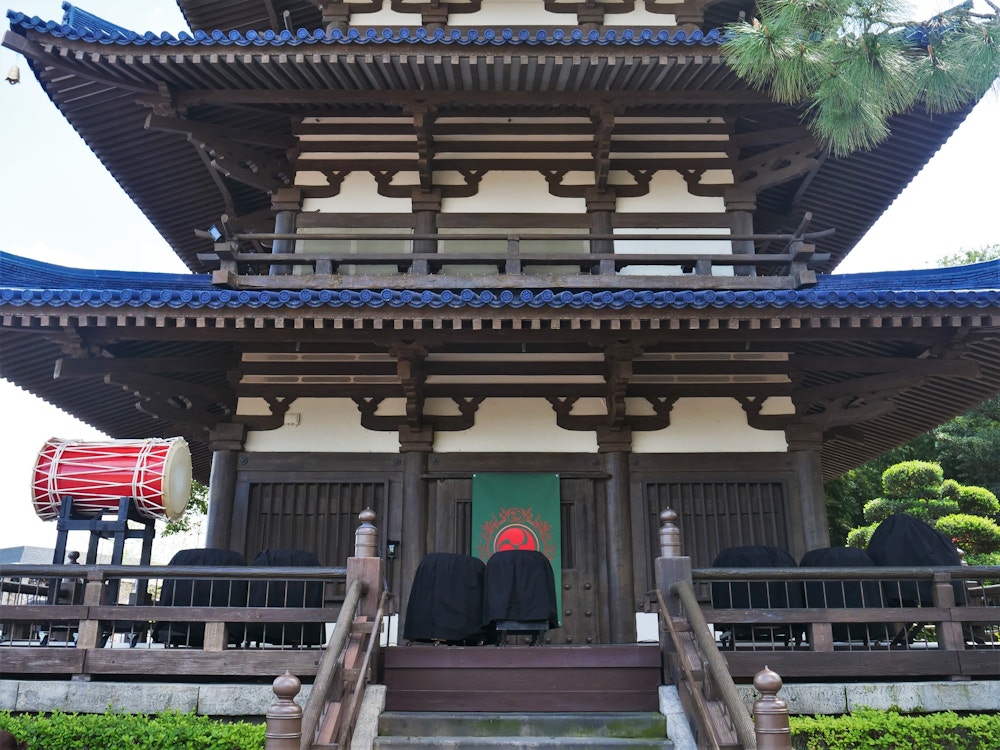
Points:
point(449, 529)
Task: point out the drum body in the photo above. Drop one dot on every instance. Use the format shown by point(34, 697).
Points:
point(156, 473)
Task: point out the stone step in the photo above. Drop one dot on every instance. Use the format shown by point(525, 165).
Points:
point(404, 730)
point(520, 743)
point(625, 725)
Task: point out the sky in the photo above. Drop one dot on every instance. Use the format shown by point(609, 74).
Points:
point(59, 205)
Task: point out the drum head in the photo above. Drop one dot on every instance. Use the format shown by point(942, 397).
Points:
point(176, 479)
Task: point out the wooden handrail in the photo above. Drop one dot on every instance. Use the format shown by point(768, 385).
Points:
point(699, 700)
point(329, 662)
point(350, 716)
point(717, 666)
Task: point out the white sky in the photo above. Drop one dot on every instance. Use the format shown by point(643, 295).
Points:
point(58, 204)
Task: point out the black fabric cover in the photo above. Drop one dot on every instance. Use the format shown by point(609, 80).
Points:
point(904, 541)
point(187, 592)
point(758, 594)
point(844, 594)
point(520, 585)
point(446, 600)
point(289, 593)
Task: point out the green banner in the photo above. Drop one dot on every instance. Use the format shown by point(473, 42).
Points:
point(518, 511)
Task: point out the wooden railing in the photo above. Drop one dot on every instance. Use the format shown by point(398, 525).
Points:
point(862, 624)
point(515, 267)
point(85, 633)
point(895, 633)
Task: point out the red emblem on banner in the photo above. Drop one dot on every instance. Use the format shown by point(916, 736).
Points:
point(516, 528)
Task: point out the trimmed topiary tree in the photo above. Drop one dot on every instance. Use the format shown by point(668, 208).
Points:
point(964, 514)
point(913, 479)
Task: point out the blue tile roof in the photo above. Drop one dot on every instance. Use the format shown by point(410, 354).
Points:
point(84, 22)
point(26, 283)
point(106, 33)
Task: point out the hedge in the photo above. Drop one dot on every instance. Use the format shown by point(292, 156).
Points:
point(119, 731)
point(890, 730)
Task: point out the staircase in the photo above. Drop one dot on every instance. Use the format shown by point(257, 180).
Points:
point(484, 731)
point(477, 698)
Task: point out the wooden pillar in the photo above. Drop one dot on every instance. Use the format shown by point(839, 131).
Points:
point(286, 205)
point(426, 207)
point(743, 224)
point(621, 577)
point(601, 208)
point(414, 447)
point(809, 528)
point(226, 442)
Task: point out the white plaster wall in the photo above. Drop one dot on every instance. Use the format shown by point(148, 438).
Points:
point(669, 192)
point(510, 191)
point(324, 425)
point(519, 13)
point(641, 18)
point(513, 14)
point(317, 425)
point(712, 425)
point(519, 425)
point(358, 194)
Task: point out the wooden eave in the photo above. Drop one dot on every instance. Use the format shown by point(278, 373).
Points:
point(108, 91)
point(924, 366)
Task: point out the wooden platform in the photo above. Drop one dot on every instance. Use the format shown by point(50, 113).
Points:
point(522, 678)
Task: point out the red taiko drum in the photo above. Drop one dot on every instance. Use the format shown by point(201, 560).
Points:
point(155, 473)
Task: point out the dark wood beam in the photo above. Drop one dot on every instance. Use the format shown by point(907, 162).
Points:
point(578, 101)
point(958, 368)
point(71, 367)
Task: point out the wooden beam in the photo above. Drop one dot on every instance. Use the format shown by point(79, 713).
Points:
point(72, 367)
point(576, 100)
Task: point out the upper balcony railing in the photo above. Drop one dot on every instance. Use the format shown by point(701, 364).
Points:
point(387, 260)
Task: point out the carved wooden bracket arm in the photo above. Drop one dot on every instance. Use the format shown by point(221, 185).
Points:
point(464, 420)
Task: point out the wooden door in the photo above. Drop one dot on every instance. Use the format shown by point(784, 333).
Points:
point(584, 614)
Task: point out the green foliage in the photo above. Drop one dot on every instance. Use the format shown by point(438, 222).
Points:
point(967, 257)
point(913, 479)
point(196, 510)
point(970, 533)
point(978, 501)
point(991, 559)
point(890, 730)
point(881, 508)
point(846, 494)
point(968, 446)
point(117, 731)
point(860, 537)
point(856, 63)
point(919, 488)
point(950, 489)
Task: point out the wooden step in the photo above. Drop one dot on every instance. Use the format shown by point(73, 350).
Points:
point(522, 678)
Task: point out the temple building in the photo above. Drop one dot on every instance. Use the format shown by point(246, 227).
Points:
point(431, 242)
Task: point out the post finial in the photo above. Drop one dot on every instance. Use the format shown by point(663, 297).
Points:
point(366, 536)
point(770, 713)
point(284, 716)
point(670, 535)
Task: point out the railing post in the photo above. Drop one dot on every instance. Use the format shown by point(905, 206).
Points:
point(671, 565)
point(89, 631)
point(949, 634)
point(366, 565)
point(770, 713)
point(284, 716)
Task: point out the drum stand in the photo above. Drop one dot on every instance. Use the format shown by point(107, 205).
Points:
point(70, 591)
